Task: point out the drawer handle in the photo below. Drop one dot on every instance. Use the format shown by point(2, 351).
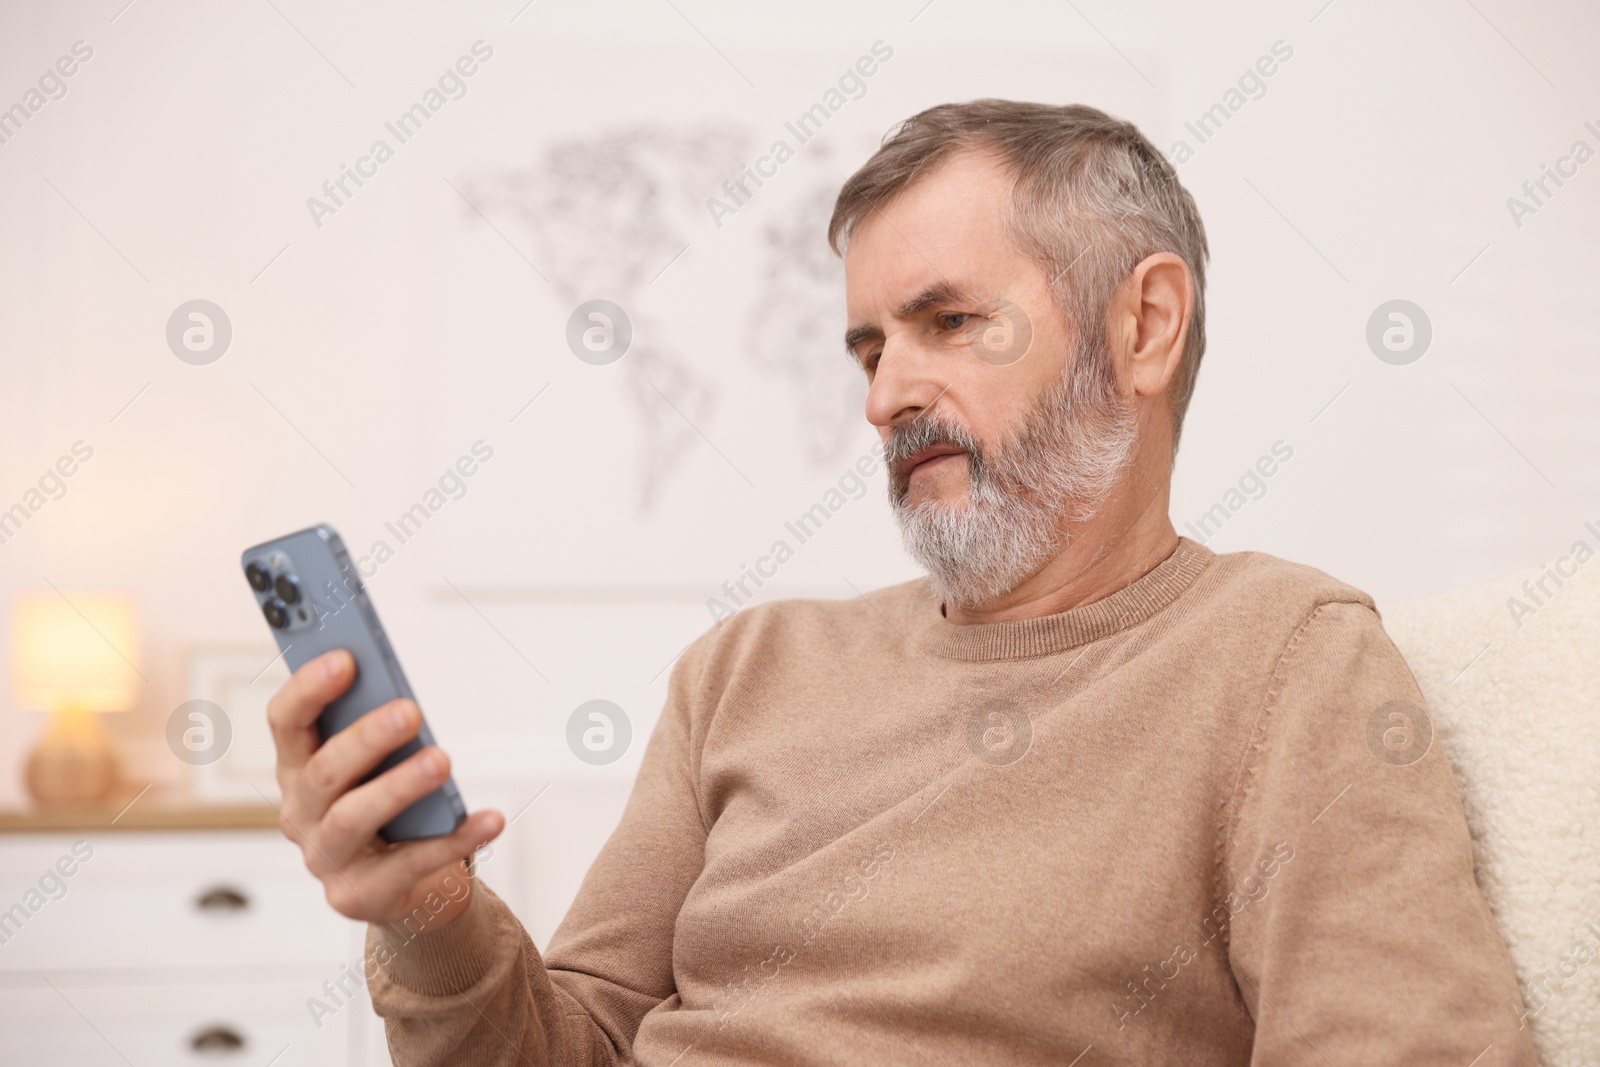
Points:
point(222, 899)
point(217, 1039)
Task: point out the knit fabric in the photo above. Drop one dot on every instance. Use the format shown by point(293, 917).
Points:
point(1191, 822)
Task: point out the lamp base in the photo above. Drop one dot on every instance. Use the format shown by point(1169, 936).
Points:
point(73, 764)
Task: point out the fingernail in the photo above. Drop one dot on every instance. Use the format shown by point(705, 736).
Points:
point(399, 717)
point(334, 665)
point(432, 762)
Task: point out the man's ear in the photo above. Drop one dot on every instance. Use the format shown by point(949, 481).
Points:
point(1149, 323)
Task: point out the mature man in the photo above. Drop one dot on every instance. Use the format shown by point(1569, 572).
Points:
point(1088, 793)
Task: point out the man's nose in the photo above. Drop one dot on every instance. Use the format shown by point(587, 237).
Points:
point(904, 385)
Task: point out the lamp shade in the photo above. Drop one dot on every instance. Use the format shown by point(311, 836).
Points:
point(79, 653)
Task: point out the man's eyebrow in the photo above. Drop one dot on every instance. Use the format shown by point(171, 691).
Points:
point(940, 293)
point(860, 335)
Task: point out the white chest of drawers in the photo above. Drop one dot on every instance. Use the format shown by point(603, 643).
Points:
point(175, 947)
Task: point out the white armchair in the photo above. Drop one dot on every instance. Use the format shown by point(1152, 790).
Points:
point(1511, 672)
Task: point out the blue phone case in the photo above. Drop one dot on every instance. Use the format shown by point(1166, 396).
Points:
point(306, 582)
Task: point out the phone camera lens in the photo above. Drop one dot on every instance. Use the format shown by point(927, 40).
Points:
point(288, 588)
point(277, 613)
point(260, 579)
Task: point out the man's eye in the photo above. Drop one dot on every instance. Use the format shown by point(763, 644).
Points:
point(954, 321)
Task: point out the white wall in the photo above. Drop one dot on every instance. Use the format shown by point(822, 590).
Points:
point(376, 348)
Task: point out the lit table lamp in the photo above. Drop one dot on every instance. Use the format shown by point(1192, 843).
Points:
point(74, 660)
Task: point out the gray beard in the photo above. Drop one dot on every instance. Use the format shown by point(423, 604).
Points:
point(1048, 477)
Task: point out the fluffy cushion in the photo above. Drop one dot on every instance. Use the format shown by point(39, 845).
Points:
point(1511, 672)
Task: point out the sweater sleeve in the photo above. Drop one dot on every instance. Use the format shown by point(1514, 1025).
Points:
point(1356, 930)
point(478, 991)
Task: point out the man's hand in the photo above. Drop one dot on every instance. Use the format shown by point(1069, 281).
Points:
point(336, 826)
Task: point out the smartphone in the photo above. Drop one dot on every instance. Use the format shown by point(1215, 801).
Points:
point(314, 601)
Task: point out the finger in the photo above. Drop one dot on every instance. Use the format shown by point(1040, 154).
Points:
point(354, 818)
point(393, 874)
point(292, 712)
point(389, 876)
point(347, 756)
point(476, 831)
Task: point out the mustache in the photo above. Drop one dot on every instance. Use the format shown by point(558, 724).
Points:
point(926, 431)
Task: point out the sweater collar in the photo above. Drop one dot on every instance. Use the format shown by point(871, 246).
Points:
point(1025, 638)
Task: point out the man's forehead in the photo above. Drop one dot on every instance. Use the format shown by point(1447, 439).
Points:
point(935, 217)
point(894, 277)
point(902, 284)
point(938, 232)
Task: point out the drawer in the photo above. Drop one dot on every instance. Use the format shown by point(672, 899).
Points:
point(141, 900)
point(91, 1025)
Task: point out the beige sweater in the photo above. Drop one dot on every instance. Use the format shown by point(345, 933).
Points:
point(1161, 828)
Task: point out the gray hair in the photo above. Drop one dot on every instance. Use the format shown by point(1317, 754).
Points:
point(1091, 198)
